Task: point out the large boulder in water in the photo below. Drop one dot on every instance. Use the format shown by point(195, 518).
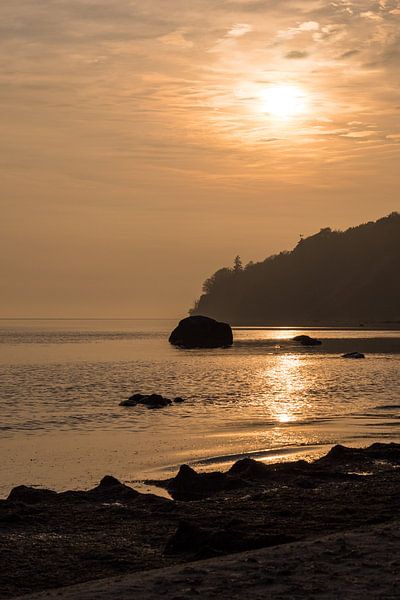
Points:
point(201, 332)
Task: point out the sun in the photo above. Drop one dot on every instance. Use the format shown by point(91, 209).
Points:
point(283, 101)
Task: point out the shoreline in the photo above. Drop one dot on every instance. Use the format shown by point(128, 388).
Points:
point(51, 540)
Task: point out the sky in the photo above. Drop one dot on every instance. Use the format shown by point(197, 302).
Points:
point(145, 144)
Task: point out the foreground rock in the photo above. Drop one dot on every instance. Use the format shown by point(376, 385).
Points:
point(201, 332)
point(203, 542)
point(306, 340)
point(109, 489)
point(353, 355)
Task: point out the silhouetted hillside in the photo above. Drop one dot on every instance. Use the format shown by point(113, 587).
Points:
point(330, 277)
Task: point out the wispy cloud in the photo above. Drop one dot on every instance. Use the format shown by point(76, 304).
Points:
point(291, 32)
point(239, 29)
point(177, 38)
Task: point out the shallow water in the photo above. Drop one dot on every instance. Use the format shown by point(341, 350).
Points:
point(61, 383)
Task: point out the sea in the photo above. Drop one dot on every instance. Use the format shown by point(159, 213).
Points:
point(62, 381)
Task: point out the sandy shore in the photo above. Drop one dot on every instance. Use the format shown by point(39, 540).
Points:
point(281, 513)
point(354, 565)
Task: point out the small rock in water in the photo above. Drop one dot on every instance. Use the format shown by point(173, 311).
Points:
point(353, 355)
point(306, 340)
point(179, 400)
point(149, 400)
point(133, 400)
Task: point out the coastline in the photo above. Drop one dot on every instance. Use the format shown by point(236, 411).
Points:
point(52, 540)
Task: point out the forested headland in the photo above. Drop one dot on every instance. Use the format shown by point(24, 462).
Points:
point(332, 277)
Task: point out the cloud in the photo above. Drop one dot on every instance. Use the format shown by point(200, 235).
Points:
point(291, 32)
point(349, 54)
point(239, 29)
point(369, 14)
point(296, 54)
point(177, 39)
point(358, 134)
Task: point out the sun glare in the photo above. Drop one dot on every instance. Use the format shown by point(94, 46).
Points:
point(283, 101)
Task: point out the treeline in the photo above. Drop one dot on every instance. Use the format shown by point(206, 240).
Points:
point(330, 277)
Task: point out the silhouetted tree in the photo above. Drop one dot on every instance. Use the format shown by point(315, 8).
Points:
point(237, 264)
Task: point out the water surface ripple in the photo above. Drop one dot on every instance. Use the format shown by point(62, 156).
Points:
point(61, 384)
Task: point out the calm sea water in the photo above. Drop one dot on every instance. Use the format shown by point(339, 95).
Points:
point(61, 383)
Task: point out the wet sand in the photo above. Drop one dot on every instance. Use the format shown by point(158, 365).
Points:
point(279, 511)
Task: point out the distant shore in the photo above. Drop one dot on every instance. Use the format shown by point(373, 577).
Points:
point(51, 540)
point(322, 325)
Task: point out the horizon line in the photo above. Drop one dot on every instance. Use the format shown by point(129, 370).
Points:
point(87, 318)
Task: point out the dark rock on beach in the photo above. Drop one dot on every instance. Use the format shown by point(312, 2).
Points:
point(306, 340)
point(149, 400)
point(376, 455)
point(190, 485)
point(201, 332)
point(109, 489)
point(353, 355)
point(31, 495)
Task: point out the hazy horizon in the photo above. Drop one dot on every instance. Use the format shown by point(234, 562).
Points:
point(146, 144)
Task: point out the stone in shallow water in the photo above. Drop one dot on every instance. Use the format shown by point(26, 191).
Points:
point(306, 340)
point(201, 332)
point(149, 400)
point(353, 355)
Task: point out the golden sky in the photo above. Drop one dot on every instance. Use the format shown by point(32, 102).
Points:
point(146, 143)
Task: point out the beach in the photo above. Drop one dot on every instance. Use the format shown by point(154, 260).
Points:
point(276, 450)
point(52, 540)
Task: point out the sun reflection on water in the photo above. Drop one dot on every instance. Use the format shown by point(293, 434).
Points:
point(284, 418)
point(287, 381)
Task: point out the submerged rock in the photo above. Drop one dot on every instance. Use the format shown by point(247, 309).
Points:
point(149, 400)
point(306, 340)
point(353, 355)
point(201, 332)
